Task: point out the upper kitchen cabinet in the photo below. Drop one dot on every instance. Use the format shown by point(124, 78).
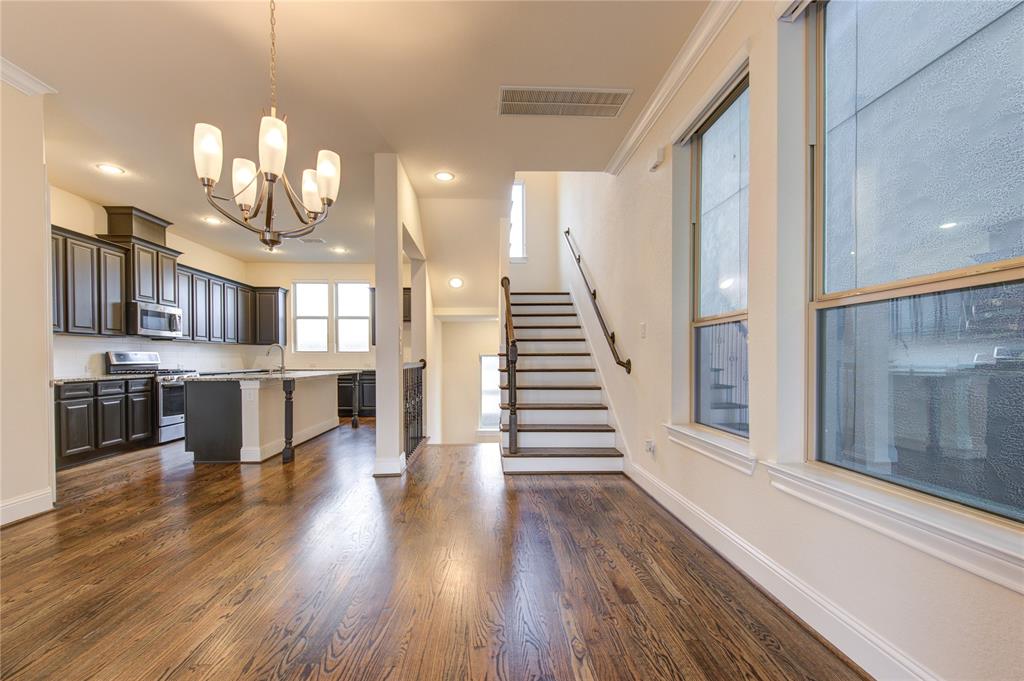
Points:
point(153, 266)
point(246, 314)
point(88, 284)
point(230, 313)
point(271, 316)
point(216, 311)
point(112, 290)
point(184, 278)
point(57, 281)
point(81, 263)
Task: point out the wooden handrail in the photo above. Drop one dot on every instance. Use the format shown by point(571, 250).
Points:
point(511, 357)
point(609, 336)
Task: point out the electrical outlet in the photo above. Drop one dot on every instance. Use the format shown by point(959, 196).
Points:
point(649, 447)
point(643, 329)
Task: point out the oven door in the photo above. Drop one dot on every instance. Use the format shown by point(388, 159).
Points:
point(158, 321)
point(171, 403)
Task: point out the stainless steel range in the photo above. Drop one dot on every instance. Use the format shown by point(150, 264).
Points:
point(170, 388)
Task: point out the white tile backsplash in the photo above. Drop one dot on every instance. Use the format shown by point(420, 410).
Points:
point(85, 355)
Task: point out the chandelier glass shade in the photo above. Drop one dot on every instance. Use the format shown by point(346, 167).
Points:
point(253, 186)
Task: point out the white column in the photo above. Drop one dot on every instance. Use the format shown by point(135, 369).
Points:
point(390, 457)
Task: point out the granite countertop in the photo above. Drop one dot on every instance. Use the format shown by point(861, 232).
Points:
point(276, 376)
point(101, 377)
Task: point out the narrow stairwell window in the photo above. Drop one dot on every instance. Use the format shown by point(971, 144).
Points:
point(517, 222)
point(721, 178)
point(490, 393)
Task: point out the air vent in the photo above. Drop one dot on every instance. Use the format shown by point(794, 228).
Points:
point(312, 240)
point(554, 101)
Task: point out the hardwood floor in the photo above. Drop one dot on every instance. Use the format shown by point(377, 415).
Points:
point(156, 569)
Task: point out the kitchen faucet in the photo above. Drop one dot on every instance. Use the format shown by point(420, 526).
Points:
point(281, 348)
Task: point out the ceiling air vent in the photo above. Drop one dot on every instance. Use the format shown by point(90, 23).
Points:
point(312, 240)
point(557, 101)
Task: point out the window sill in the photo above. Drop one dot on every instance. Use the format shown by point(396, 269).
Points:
point(986, 546)
point(723, 449)
point(518, 261)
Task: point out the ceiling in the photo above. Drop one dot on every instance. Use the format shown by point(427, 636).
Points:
point(420, 79)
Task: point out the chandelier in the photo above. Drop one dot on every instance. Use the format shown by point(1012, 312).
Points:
point(252, 194)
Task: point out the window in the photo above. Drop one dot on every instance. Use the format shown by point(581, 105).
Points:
point(353, 316)
point(490, 393)
point(919, 266)
point(311, 316)
point(721, 176)
point(517, 232)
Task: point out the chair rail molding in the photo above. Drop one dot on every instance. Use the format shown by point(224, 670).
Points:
point(23, 81)
point(703, 34)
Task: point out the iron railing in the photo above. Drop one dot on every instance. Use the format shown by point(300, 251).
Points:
point(511, 357)
point(412, 405)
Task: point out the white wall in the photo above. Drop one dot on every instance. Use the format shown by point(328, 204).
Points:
point(463, 343)
point(896, 609)
point(26, 403)
point(543, 238)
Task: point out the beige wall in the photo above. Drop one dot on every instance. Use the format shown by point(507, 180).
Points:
point(462, 345)
point(543, 236)
point(898, 610)
point(26, 403)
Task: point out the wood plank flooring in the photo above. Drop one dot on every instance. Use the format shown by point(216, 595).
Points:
point(156, 569)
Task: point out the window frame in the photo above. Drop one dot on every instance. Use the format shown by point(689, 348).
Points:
point(525, 256)
point(296, 316)
point(697, 321)
point(335, 317)
point(818, 300)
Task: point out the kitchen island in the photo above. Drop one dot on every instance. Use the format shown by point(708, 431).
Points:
point(240, 417)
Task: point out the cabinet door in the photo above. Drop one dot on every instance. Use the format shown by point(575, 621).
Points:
point(406, 304)
point(246, 314)
point(140, 416)
point(112, 293)
point(83, 310)
point(57, 281)
point(144, 278)
point(270, 317)
point(76, 429)
point(185, 302)
point(216, 311)
point(111, 421)
point(167, 288)
point(200, 307)
point(230, 313)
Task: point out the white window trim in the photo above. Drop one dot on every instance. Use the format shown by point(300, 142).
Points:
point(984, 545)
point(296, 317)
point(481, 429)
point(335, 317)
point(731, 451)
point(519, 260)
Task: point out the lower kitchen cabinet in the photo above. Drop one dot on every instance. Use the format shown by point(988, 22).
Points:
point(76, 429)
point(97, 419)
point(110, 421)
point(367, 393)
point(140, 417)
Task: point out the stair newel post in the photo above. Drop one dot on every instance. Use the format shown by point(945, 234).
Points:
point(513, 416)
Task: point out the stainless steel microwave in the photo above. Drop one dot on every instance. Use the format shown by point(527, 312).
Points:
point(158, 321)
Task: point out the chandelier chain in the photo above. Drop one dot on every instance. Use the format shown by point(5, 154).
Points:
point(273, 57)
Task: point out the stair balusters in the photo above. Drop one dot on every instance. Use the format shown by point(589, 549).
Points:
point(511, 357)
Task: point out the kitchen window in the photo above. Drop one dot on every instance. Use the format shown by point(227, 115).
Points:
point(311, 316)
point(918, 305)
point(517, 221)
point(352, 301)
point(719, 198)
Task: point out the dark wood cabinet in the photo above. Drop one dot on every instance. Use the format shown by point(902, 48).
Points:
point(76, 429)
point(111, 421)
point(167, 286)
point(112, 291)
point(184, 280)
point(200, 307)
point(367, 393)
point(246, 314)
point(140, 416)
point(144, 273)
point(57, 281)
point(216, 311)
point(81, 272)
point(346, 395)
point(406, 304)
point(230, 313)
point(271, 316)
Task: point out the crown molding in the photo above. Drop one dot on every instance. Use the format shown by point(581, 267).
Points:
point(706, 30)
point(23, 81)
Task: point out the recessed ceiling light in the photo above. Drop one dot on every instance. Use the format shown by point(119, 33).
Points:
point(340, 250)
point(444, 176)
point(210, 220)
point(948, 225)
point(726, 283)
point(109, 169)
point(456, 282)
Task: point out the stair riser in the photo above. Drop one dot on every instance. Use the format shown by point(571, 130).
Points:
point(571, 396)
point(584, 440)
point(567, 416)
point(554, 378)
point(567, 309)
point(555, 464)
point(558, 318)
point(531, 334)
point(540, 345)
point(542, 299)
point(551, 362)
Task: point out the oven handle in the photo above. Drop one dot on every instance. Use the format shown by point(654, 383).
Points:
point(173, 384)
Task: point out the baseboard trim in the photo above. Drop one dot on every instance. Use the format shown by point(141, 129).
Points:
point(274, 447)
point(389, 468)
point(864, 646)
point(26, 505)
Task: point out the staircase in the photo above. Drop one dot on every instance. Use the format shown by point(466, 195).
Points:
point(563, 423)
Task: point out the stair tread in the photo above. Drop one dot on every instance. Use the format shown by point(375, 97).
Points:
point(576, 452)
point(556, 406)
point(548, 326)
point(543, 314)
point(561, 428)
point(551, 340)
point(726, 405)
point(543, 302)
point(553, 370)
point(504, 386)
point(550, 354)
point(539, 293)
